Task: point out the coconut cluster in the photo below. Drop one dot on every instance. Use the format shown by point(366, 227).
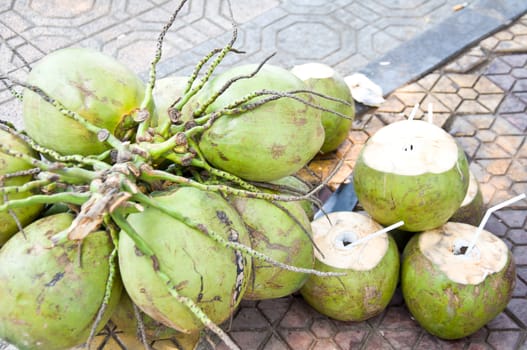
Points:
point(162, 205)
point(415, 172)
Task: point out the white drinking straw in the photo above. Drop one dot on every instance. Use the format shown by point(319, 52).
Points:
point(373, 235)
point(413, 112)
point(430, 113)
point(486, 218)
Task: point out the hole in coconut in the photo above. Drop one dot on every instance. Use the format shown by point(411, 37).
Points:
point(409, 147)
point(344, 239)
point(461, 246)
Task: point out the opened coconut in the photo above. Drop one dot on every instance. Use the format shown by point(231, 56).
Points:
point(323, 79)
point(472, 208)
point(371, 268)
point(412, 171)
point(452, 292)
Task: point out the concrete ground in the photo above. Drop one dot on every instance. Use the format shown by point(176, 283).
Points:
point(468, 59)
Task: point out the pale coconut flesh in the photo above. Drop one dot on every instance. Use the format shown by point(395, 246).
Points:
point(323, 79)
point(412, 171)
point(472, 208)
point(371, 268)
point(453, 293)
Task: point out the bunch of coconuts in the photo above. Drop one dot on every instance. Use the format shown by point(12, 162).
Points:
point(455, 277)
point(162, 205)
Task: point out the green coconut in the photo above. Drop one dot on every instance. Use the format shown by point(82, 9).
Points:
point(450, 293)
point(323, 79)
point(371, 268)
point(125, 320)
point(412, 171)
point(282, 233)
point(267, 143)
point(472, 208)
point(213, 276)
point(8, 164)
point(50, 296)
point(96, 86)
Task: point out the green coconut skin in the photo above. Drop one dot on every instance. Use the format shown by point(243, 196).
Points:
point(94, 85)
point(423, 202)
point(336, 127)
point(276, 234)
point(125, 320)
point(202, 269)
point(447, 309)
point(472, 213)
point(270, 142)
point(49, 299)
point(357, 296)
point(8, 164)
point(295, 184)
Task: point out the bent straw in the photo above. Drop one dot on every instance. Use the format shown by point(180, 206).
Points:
point(373, 235)
point(486, 218)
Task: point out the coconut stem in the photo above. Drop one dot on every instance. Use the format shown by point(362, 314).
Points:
point(143, 246)
point(147, 99)
point(376, 234)
point(109, 282)
point(413, 112)
point(67, 197)
point(486, 218)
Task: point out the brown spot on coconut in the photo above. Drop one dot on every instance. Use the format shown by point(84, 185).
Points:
point(371, 268)
point(323, 79)
point(412, 171)
point(450, 293)
point(472, 208)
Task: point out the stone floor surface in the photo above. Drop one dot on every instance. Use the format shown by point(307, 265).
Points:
point(479, 96)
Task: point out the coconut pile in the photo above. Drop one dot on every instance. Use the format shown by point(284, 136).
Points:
point(161, 205)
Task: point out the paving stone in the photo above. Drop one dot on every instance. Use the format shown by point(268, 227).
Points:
point(512, 218)
point(275, 343)
point(274, 309)
point(428, 81)
point(376, 342)
point(450, 101)
point(246, 339)
point(410, 98)
point(462, 128)
point(298, 315)
point(496, 166)
point(502, 321)
point(297, 339)
point(504, 339)
point(436, 103)
point(515, 60)
point(348, 339)
point(467, 93)
point(498, 66)
point(496, 226)
point(445, 84)
point(508, 143)
point(465, 64)
point(248, 317)
point(323, 328)
point(503, 81)
point(512, 104)
point(517, 236)
point(520, 290)
point(471, 107)
point(518, 170)
point(392, 105)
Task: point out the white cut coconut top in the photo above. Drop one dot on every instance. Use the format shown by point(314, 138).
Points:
point(334, 238)
point(472, 190)
point(313, 71)
point(440, 245)
point(411, 147)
